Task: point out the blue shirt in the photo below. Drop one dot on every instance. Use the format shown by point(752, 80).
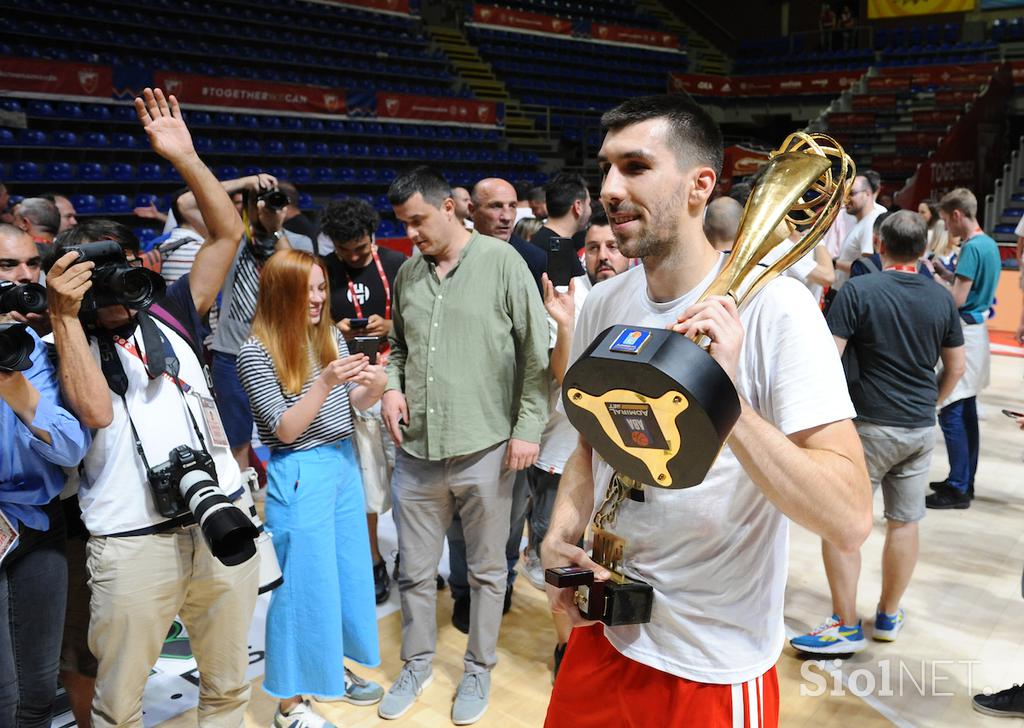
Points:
point(30, 470)
point(980, 262)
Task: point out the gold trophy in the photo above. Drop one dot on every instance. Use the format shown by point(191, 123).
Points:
point(655, 405)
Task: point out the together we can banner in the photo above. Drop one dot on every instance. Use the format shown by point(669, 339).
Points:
point(904, 8)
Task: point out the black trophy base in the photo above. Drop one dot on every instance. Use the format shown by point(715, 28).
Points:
point(613, 603)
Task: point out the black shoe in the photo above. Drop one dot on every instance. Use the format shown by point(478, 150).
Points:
point(970, 492)
point(381, 581)
point(508, 600)
point(939, 484)
point(559, 654)
point(1007, 703)
point(460, 614)
point(947, 498)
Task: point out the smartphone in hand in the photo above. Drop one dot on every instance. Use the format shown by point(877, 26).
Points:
point(561, 259)
point(358, 323)
point(368, 345)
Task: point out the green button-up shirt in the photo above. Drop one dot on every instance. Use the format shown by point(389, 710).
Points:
point(469, 351)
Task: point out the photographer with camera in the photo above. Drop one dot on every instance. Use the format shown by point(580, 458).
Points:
point(159, 463)
point(40, 436)
point(264, 211)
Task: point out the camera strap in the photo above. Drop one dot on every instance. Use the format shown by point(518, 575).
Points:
point(113, 371)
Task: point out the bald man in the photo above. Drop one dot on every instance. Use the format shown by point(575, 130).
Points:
point(721, 221)
point(492, 207)
point(461, 197)
point(39, 217)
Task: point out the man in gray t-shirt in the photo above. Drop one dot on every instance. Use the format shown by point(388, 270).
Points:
point(264, 235)
point(892, 327)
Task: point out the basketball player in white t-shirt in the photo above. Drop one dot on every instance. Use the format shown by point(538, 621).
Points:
point(715, 554)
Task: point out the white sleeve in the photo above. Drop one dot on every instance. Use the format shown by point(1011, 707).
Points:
point(796, 376)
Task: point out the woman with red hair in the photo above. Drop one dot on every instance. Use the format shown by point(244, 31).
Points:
point(301, 381)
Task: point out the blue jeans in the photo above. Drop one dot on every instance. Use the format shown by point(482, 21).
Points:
point(959, 423)
point(33, 592)
point(458, 580)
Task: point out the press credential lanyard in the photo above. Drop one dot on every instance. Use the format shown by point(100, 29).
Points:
point(383, 282)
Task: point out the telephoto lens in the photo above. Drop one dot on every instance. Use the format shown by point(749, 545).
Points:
point(24, 298)
point(16, 347)
point(114, 282)
point(227, 530)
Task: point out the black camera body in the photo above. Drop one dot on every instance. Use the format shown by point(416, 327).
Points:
point(114, 282)
point(23, 298)
point(165, 478)
point(187, 482)
point(273, 199)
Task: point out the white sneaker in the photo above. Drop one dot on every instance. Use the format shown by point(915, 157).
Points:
point(301, 716)
point(533, 569)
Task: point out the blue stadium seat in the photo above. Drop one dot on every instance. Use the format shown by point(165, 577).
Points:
point(278, 172)
point(367, 174)
point(297, 148)
point(314, 124)
point(25, 171)
point(320, 149)
point(11, 105)
point(70, 110)
point(198, 118)
point(33, 138)
point(145, 199)
point(340, 149)
point(121, 171)
point(63, 138)
point(273, 146)
point(7, 137)
point(380, 151)
point(58, 171)
point(91, 172)
point(123, 140)
point(305, 201)
point(323, 174)
point(145, 234)
point(270, 122)
point(95, 139)
point(224, 119)
point(293, 123)
point(227, 145)
point(115, 203)
point(98, 112)
point(249, 121)
point(151, 171)
point(40, 108)
point(249, 146)
point(85, 203)
point(346, 174)
point(226, 172)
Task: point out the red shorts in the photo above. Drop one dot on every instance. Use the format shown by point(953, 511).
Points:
point(598, 687)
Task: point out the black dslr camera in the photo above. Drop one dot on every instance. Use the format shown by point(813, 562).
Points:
point(264, 244)
point(114, 282)
point(187, 482)
point(16, 347)
point(23, 298)
point(273, 199)
point(16, 344)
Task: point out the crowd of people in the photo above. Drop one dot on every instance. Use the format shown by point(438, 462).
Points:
point(430, 386)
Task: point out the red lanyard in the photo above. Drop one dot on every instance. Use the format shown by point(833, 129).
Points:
point(383, 282)
point(134, 351)
point(902, 268)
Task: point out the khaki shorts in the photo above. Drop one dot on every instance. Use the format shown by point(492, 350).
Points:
point(375, 451)
point(898, 459)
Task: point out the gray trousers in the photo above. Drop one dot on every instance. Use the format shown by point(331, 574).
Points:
point(426, 494)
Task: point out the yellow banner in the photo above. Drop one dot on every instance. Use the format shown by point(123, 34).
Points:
point(903, 8)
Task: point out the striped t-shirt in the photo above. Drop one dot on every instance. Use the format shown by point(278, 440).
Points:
point(269, 401)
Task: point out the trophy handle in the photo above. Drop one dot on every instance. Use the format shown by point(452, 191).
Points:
point(798, 188)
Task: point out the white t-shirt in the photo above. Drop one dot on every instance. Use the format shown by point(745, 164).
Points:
point(800, 269)
point(1019, 230)
point(560, 437)
point(114, 492)
point(716, 554)
point(858, 242)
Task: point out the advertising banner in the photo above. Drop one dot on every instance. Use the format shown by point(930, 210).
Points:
point(637, 36)
point(37, 75)
point(428, 108)
point(241, 93)
point(905, 8)
point(702, 84)
point(521, 19)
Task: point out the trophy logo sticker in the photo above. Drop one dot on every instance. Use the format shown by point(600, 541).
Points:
point(637, 425)
point(630, 341)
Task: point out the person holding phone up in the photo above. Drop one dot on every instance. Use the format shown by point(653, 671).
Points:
point(302, 382)
point(362, 276)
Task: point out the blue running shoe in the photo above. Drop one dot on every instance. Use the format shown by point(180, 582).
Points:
point(832, 637)
point(888, 626)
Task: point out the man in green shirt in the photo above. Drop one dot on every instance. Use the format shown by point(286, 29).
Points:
point(466, 403)
point(973, 290)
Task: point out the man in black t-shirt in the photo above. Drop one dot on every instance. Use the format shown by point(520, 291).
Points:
point(362, 281)
point(897, 324)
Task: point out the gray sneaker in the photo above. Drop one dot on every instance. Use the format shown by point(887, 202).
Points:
point(404, 691)
point(471, 698)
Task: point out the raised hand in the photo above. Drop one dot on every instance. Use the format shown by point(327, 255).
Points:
point(161, 119)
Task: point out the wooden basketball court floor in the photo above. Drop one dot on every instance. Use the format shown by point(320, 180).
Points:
point(964, 629)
